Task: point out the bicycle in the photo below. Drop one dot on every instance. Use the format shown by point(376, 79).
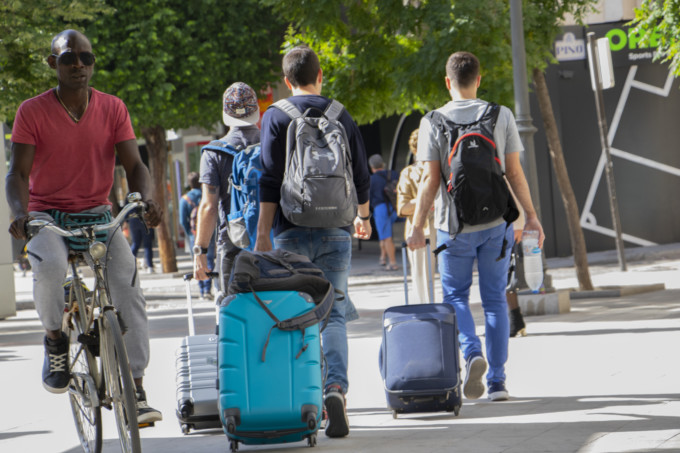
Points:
point(98, 361)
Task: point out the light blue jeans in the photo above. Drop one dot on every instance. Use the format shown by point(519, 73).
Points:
point(330, 249)
point(455, 268)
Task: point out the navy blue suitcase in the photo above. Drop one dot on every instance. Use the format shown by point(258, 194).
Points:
point(419, 358)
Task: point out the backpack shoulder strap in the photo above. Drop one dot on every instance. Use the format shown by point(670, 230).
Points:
point(334, 110)
point(221, 147)
point(189, 200)
point(490, 115)
point(288, 108)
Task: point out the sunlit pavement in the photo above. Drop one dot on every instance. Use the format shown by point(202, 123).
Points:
point(602, 378)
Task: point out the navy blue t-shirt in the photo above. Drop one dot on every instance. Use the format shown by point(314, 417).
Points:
point(274, 131)
point(378, 181)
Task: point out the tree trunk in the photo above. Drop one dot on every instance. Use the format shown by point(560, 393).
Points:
point(157, 148)
point(578, 243)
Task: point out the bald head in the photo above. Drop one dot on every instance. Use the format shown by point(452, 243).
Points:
point(67, 40)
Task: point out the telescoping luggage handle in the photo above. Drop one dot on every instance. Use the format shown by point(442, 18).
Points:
point(190, 310)
point(430, 279)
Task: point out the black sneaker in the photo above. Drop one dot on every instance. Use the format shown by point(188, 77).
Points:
point(498, 392)
point(146, 415)
point(334, 401)
point(55, 373)
point(517, 325)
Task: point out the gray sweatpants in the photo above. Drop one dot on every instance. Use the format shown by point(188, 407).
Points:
point(48, 255)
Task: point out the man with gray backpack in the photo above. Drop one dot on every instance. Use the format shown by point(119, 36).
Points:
point(314, 187)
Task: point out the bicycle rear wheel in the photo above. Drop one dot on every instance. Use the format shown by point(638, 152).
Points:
point(83, 388)
point(120, 386)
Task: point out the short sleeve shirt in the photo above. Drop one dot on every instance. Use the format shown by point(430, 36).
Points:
point(433, 145)
point(216, 167)
point(73, 162)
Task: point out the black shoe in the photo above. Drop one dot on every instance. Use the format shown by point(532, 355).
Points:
point(517, 326)
point(55, 373)
point(146, 415)
point(336, 410)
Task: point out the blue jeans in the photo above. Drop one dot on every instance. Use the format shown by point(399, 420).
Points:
point(330, 249)
point(140, 238)
point(455, 268)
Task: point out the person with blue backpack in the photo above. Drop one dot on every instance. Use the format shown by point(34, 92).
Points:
point(238, 148)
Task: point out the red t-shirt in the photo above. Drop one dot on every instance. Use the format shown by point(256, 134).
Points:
point(73, 164)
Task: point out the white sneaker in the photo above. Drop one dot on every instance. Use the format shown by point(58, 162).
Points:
point(473, 387)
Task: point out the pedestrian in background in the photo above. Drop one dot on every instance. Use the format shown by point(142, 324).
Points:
point(410, 179)
point(384, 214)
point(188, 217)
point(140, 236)
point(481, 243)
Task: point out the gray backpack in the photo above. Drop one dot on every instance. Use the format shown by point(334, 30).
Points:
point(318, 184)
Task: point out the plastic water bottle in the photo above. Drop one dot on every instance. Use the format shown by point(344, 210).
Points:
point(533, 263)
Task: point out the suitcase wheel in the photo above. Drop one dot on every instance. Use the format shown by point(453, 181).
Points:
point(233, 445)
point(311, 440)
point(454, 409)
point(185, 428)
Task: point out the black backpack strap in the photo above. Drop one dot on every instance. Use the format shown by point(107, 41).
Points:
point(334, 110)
point(319, 313)
point(288, 108)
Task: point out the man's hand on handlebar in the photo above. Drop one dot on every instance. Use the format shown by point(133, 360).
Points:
point(154, 213)
point(18, 227)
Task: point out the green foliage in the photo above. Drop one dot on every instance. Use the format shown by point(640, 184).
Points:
point(26, 31)
point(171, 60)
point(384, 57)
point(662, 19)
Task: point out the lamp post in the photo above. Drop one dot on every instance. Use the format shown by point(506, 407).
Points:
point(525, 126)
point(523, 119)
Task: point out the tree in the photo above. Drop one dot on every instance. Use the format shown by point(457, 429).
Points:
point(26, 31)
point(171, 60)
point(382, 57)
point(660, 21)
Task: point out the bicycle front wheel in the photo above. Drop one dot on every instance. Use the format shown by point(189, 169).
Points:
point(120, 387)
point(83, 393)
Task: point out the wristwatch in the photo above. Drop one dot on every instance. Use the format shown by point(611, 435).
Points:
point(364, 218)
point(198, 250)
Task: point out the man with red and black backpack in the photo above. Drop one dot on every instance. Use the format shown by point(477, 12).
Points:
point(467, 146)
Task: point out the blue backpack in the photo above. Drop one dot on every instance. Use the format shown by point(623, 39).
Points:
point(245, 197)
point(244, 190)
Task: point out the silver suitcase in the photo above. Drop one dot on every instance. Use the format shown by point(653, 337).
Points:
point(196, 378)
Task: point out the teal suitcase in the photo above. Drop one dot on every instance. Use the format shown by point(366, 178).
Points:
point(269, 380)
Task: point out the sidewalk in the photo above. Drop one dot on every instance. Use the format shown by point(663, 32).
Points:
point(602, 378)
point(643, 262)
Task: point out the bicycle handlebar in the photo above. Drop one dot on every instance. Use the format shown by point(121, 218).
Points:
point(35, 225)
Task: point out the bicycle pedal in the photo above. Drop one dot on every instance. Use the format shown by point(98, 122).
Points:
point(146, 425)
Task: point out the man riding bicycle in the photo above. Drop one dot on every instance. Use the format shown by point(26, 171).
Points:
point(64, 147)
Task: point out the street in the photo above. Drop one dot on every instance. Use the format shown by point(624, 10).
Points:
point(602, 378)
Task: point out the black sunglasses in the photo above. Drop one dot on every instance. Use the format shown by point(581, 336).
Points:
point(70, 58)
